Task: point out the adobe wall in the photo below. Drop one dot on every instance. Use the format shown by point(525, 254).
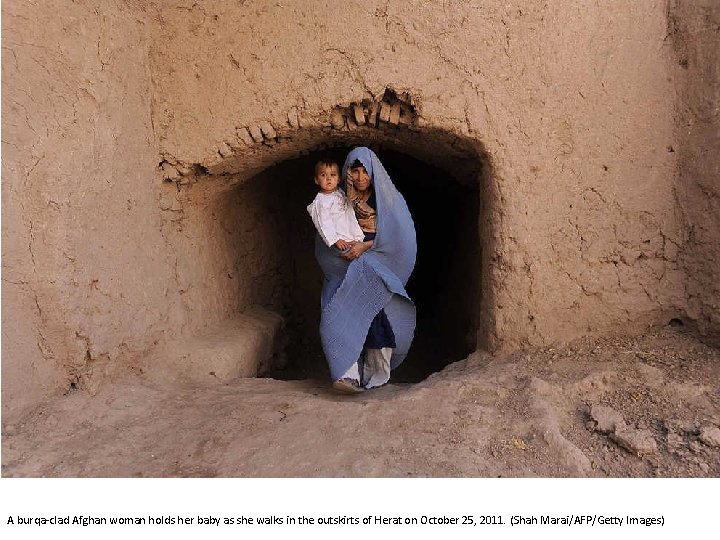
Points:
point(135, 136)
point(86, 271)
point(694, 28)
point(571, 109)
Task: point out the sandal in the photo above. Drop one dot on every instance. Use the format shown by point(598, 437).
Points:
point(348, 386)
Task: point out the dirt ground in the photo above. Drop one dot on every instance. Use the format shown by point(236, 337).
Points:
point(535, 413)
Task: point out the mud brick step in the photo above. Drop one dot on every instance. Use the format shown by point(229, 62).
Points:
point(241, 347)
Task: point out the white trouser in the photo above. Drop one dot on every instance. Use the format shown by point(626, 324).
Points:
point(352, 373)
point(376, 369)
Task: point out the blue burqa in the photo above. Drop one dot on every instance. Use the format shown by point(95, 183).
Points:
point(354, 292)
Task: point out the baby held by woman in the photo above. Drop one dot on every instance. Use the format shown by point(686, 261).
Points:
point(333, 217)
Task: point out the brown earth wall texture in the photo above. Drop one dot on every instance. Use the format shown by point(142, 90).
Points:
point(226, 249)
point(570, 106)
point(85, 270)
point(695, 31)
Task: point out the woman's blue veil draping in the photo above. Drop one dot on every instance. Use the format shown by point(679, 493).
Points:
point(355, 292)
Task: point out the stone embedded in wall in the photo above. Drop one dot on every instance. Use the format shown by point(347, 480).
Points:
point(293, 118)
point(244, 135)
point(183, 169)
point(359, 112)
point(385, 111)
point(182, 173)
point(261, 133)
point(372, 113)
point(224, 150)
point(256, 133)
point(169, 172)
point(390, 109)
point(406, 114)
point(395, 113)
point(268, 131)
point(337, 119)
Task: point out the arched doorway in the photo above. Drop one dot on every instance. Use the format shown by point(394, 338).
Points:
point(445, 284)
point(251, 238)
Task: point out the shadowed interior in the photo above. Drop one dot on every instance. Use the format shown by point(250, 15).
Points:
point(445, 285)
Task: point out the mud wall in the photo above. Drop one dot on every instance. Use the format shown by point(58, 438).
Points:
point(135, 135)
point(227, 242)
point(85, 267)
point(571, 108)
point(694, 28)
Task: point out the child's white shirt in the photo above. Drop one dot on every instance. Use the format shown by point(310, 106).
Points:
point(334, 218)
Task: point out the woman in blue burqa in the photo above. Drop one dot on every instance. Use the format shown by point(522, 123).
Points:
point(367, 318)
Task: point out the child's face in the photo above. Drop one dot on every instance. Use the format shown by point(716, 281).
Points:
point(327, 178)
point(360, 178)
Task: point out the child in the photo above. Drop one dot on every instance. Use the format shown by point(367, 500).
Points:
point(336, 224)
point(333, 217)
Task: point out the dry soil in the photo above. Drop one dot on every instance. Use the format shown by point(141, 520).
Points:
point(525, 414)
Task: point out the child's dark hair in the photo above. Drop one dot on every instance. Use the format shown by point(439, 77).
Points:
point(325, 162)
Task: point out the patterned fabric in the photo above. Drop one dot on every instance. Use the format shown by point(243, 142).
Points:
point(364, 210)
point(355, 292)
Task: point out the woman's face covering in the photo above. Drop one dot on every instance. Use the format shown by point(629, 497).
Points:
point(360, 178)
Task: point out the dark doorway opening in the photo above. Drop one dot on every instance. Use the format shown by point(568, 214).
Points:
point(445, 285)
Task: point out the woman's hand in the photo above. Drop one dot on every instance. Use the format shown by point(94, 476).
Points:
point(357, 249)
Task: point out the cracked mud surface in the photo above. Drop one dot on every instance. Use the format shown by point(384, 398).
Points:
point(590, 134)
point(526, 414)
